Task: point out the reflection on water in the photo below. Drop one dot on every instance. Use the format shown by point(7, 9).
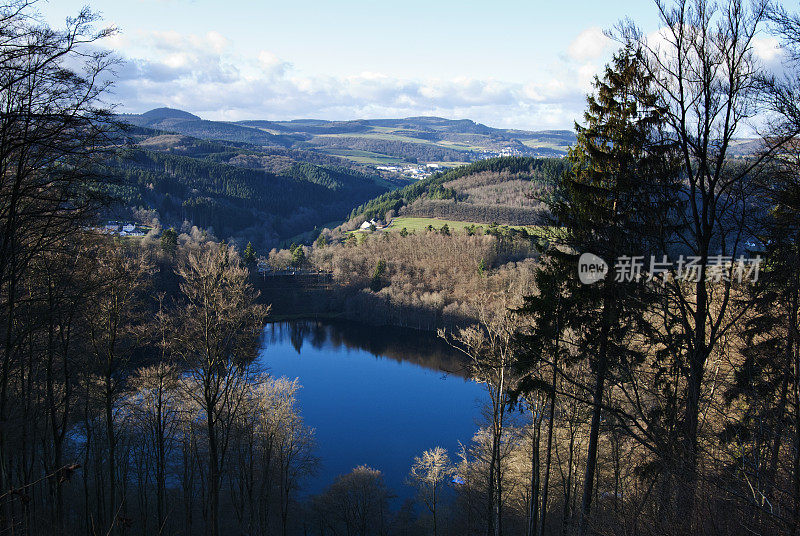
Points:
point(376, 396)
point(401, 344)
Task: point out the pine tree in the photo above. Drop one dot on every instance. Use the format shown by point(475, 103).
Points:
point(610, 203)
point(249, 255)
point(169, 240)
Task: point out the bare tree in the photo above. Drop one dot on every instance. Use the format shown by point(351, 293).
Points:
point(155, 397)
point(357, 503)
point(489, 345)
point(220, 328)
point(429, 473)
point(115, 325)
point(52, 129)
point(708, 79)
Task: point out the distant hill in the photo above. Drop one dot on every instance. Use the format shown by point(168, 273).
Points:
point(420, 139)
point(178, 121)
point(159, 114)
point(409, 144)
point(268, 180)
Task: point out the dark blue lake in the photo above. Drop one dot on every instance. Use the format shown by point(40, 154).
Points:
point(376, 396)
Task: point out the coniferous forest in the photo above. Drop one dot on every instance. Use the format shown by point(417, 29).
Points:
point(628, 314)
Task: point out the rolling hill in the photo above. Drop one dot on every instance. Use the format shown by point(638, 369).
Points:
point(180, 122)
point(405, 146)
point(507, 190)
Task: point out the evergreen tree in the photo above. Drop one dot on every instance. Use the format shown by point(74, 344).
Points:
point(169, 240)
point(376, 283)
point(298, 256)
point(609, 203)
point(249, 255)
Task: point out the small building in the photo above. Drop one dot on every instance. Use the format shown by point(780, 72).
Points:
point(368, 224)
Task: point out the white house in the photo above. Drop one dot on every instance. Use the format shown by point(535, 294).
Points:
point(367, 224)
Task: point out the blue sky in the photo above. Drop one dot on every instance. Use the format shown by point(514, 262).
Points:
point(521, 64)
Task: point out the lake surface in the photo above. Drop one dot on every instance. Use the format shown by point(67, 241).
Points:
point(376, 396)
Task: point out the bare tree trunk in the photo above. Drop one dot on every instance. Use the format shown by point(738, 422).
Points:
point(213, 472)
point(550, 424)
point(594, 431)
point(533, 509)
point(112, 458)
point(568, 487)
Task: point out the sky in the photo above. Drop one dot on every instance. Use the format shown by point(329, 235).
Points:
point(505, 63)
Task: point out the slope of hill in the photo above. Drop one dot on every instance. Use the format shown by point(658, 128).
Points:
point(509, 190)
point(241, 192)
point(413, 146)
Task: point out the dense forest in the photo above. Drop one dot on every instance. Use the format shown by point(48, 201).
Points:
point(237, 193)
point(424, 280)
point(660, 396)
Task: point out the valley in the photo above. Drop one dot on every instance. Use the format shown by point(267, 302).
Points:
point(395, 321)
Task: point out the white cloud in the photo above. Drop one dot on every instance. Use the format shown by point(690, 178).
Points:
point(591, 44)
point(203, 75)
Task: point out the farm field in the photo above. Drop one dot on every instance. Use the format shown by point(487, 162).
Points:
point(420, 224)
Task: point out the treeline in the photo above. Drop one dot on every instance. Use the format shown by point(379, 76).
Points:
point(309, 127)
point(277, 159)
point(435, 123)
point(540, 170)
point(272, 159)
point(424, 280)
point(505, 189)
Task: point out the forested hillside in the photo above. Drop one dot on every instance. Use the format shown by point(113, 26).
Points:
point(236, 190)
point(408, 150)
point(426, 270)
point(510, 191)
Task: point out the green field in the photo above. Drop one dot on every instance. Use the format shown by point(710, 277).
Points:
point(538, 144)
point(420, 224)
